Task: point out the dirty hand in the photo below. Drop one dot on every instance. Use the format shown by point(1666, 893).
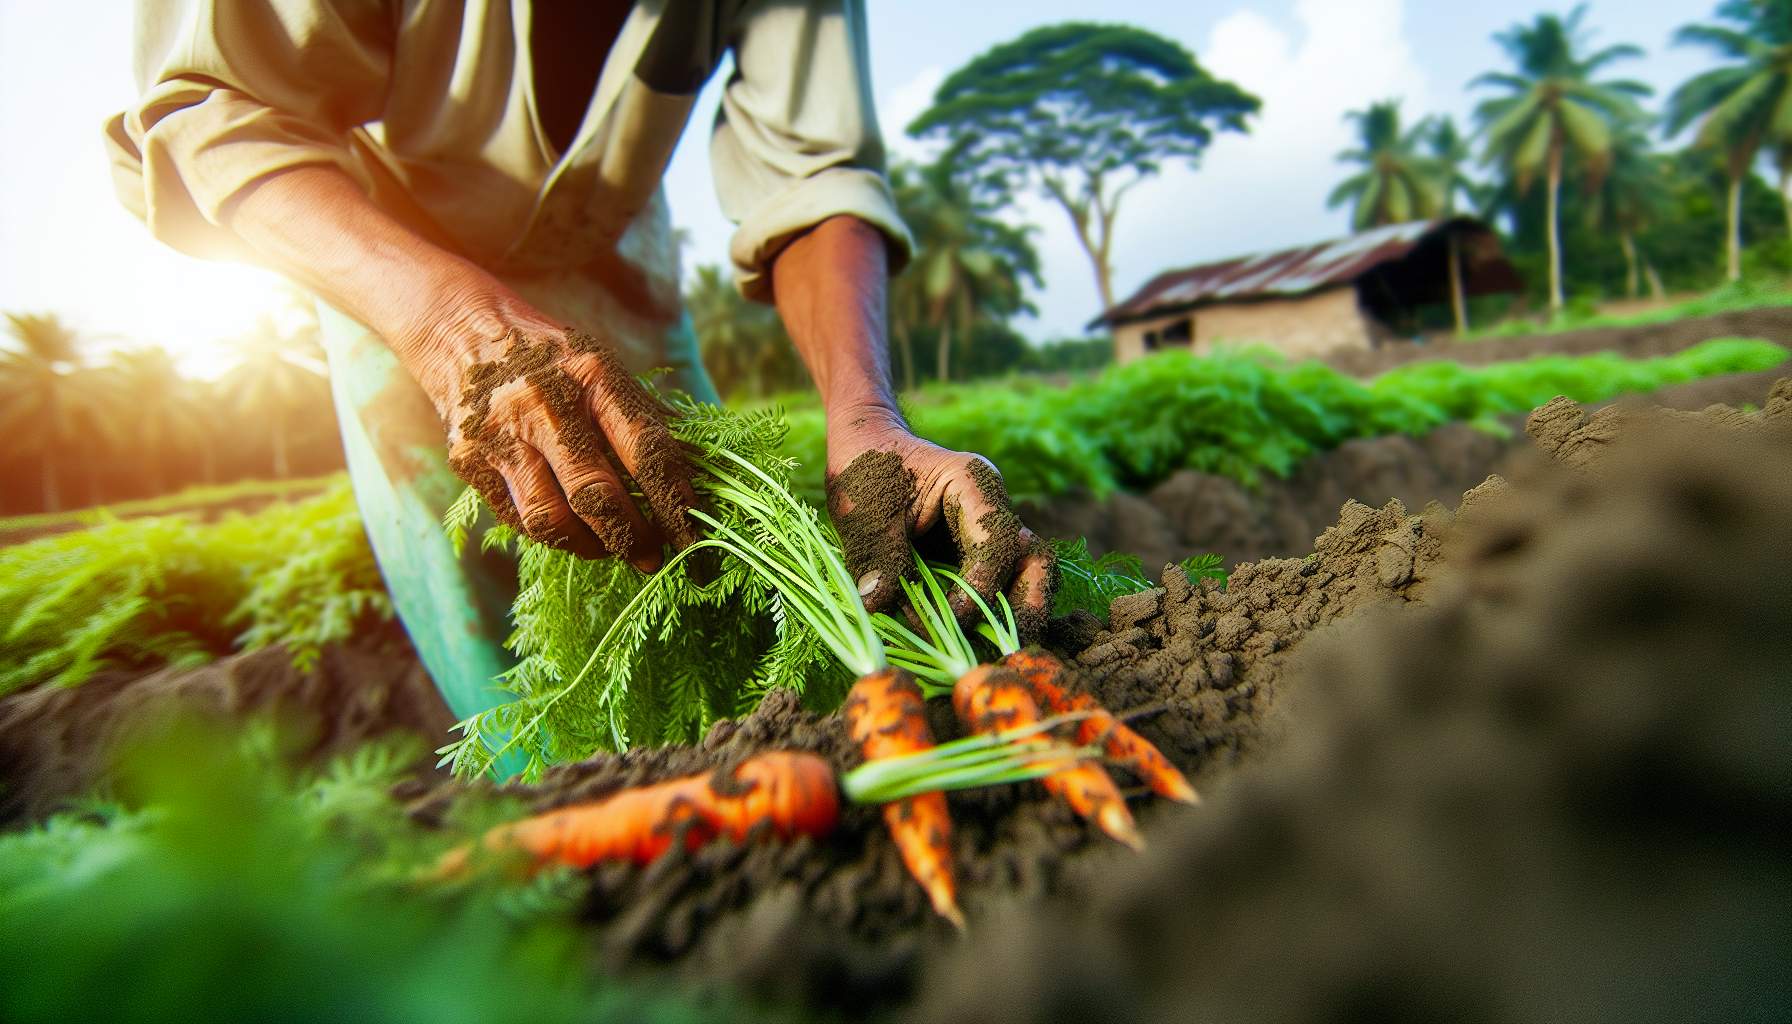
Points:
point(543, 420)
point(887, 486)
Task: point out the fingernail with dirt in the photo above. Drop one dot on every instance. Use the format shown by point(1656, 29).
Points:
point(868, 583)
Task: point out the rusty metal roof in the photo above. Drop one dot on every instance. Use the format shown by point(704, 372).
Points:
point(1294, 271)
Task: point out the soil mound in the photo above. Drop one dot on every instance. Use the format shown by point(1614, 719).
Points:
point(1555, 790)
point(57, 743)
point(1643, 341)
point(1198, 512)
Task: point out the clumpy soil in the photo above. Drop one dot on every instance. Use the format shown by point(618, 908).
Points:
point(1193, 513)
point(1556, 789)
point(1531, 761)
point(58, 742)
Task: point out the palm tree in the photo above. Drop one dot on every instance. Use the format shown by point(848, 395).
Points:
point(967, 263)
point(55, 406)
point(275, 375)
point(1552, 110)
point(166, 418)
point(1450, 152)
point(1744, 106)
point(1633, 195)
point(743, 344)
point(1397, 183)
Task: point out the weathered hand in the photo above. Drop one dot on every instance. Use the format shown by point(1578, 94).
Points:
point(543, 421)
point(887, 486)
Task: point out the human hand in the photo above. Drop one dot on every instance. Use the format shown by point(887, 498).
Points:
point(888, 488)
point(543, 421)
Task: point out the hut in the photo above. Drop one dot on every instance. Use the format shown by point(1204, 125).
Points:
point(1357, 292)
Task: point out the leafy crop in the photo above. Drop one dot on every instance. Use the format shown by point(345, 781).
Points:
point(607, 661)
point(1733, 297)
point(167, 589)
point(1246, 414)
point(221, 886)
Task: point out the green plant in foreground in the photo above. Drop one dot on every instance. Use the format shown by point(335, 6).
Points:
point(223, 886)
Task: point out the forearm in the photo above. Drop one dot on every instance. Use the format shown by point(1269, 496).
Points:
point(433, 307)
point(830, 287)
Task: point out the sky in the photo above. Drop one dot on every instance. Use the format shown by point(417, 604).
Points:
point(68, 247)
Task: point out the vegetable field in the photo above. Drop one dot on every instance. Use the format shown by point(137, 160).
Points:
point(741, 802)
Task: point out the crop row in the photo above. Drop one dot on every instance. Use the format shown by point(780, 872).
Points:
point(1246, 414)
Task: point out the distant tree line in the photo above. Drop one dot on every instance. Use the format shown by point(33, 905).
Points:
point(84, 429)
point(1591, 206)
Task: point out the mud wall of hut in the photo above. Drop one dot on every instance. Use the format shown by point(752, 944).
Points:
point(1308, 325)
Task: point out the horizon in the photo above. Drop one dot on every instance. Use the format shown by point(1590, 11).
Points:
point(61, 227)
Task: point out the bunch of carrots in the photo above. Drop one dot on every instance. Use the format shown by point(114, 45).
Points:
point(1014, 710)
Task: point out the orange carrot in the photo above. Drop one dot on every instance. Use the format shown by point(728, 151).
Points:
point(885, 716)
point(794, 792)
point(993, 697)
point(1046, 675)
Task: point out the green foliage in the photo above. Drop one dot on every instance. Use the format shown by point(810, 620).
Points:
point(744, 345)
point(1398, 181)
point(226, 887)
point(190, 499)
point(1244, 414)
point(1735, 297)
point(168, 589)
point(610, 657)
point(969, 266)
point(1090, 584)
point(1083, 112)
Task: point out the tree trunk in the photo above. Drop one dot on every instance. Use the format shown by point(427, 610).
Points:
point(1656, 291)
point(1458, 306)
point(1733, 237)
point(1552, 215)
point(279, 449)
point(52, 499)
point(905, 349)
point(1632, 281)
point(945, 352)
point(1786, 199)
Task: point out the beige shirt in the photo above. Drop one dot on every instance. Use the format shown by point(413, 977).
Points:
point(430, 105)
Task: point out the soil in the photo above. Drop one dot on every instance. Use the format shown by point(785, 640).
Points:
point(869, 502)
point(57, 743)
point(1557, 789)
point(1641, 342)
point(1521, 759)
point(1193, 513)
point(1472, 785)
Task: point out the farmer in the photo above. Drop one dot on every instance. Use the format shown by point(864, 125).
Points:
point(473, 190)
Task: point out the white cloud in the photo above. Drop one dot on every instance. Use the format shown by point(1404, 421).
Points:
point(903, 105)
point(1254, 192)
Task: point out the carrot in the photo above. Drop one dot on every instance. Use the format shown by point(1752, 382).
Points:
point(1046, 675)
point(885, 716)
point(794, 792)
point(991, 697)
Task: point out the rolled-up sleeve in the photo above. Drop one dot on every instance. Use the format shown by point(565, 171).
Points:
point(233, 92)
point(796, 141)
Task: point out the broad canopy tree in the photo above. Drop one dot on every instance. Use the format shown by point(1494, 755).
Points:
point(1083, 112)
